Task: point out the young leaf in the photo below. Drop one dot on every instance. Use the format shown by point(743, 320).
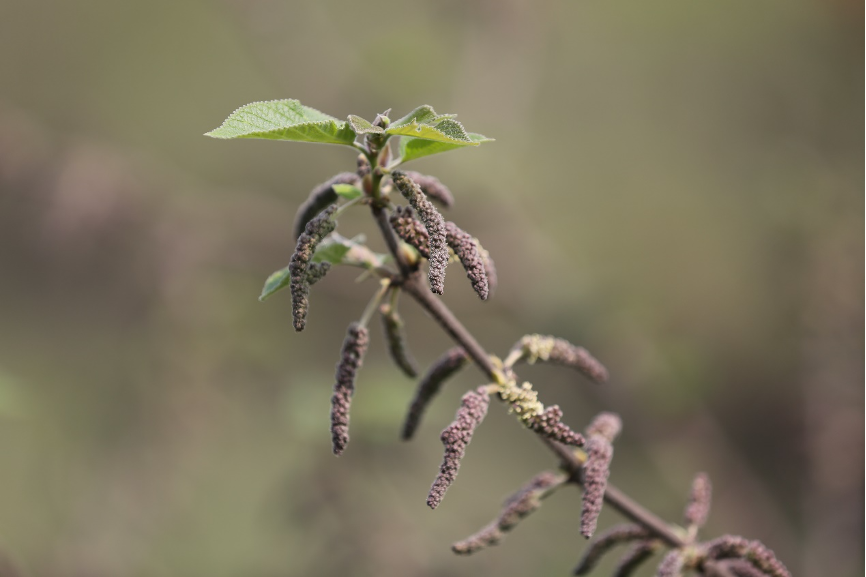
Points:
point(284, 120)
point(278, 280)
point(332, 250)
point(361, 126)
point(412, 148)
point(423, 122)
point(347, 191)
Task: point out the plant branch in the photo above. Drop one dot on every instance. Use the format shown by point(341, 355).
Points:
point(413, 285)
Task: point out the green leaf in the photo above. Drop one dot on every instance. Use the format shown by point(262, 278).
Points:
point(423, 122)
point(278, 280)
point(338, 249)
point(361, 126)
point(284, 120)
point(333, 251)
point(347, 191)
point(412, 148)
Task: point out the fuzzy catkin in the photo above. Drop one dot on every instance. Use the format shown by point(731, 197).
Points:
point(489, 269)
point(439, 372)
point(466, 249)
point(320, 198)
point(316, 271)
point(672, 564)
point(614, 536)
point(392, 325)
point(516, 507)
point(601, 431)
point(432, 188)
point(548, 424)
point(455, 437)
point(742, 568)
point(435, 225)
point(735, 547)
point(533, 348)
point(351, 358)
point(315, 231)
point(410, 230)
point(700, 498)
point(634, 558)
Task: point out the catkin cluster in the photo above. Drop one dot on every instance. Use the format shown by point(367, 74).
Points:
point(320, 198)
point(435, 225)
point(410, 230)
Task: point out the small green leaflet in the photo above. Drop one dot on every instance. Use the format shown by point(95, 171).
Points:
point(412, 148)
point(423, 122)
point(278, 280)
point(361, 126)
point(347, 191)
point(333, 251)
point(284, 120)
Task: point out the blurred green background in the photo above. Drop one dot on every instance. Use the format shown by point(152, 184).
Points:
point(676, 185)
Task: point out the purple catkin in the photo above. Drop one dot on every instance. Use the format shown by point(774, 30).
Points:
point(315, 231)
point(455, 437)
point(700, 498)
point(634, 558)
point(351, 358)
point(432, 188)
point(532, 348)
point(742, 568)
point(672, 564)
point(735, 547)
point(516, 507)
point(439, 372)
point(435, 225)
point(548, 424)
point(320, 198)
point(392, 325)
point(614, 536)
point(466, 249)
point(410, 230)
point(489, 270)
point(601, 431)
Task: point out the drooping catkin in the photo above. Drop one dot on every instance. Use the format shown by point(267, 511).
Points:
point(489, 269)
point(755, 552)
point(548, 424)
point(599, 448)
point(742, 568)
point(636, 556)
point(315, 231)
point(698, 507)
point(672, 564)
point(392, 325)
point(533, 348)
point(439, 372)
point(516, 507)
point(320, 197)
point(435, 225)
point(618, 535)
point(466, 249)
point(410, 230)
point(433, 188)
point(351, 358)
point(455, 437)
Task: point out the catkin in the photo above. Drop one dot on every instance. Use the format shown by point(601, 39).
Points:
point(533, 348)
point(455, 437)
point(466, 249)
point(439, 372)
point(601, 432)
point(634, 558)
point(489, 269)
point(392, 325)
point(410, 230)
point(321, 197)
point(672, 564)
point(614, 536)
point(316, 271)
point(351, 358)
point(432, 188)
point(516, 507)
point(435, 225)
point(698, 507)
point(735, 547)
point(315, 231)
point(548, 424)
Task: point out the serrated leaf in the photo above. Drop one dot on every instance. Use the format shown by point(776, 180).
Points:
point(278, 280)
point(412, 148)
point(361, 126)
point(284, 120)
point(424, 114)
point(423, 122)
point(347, 191)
